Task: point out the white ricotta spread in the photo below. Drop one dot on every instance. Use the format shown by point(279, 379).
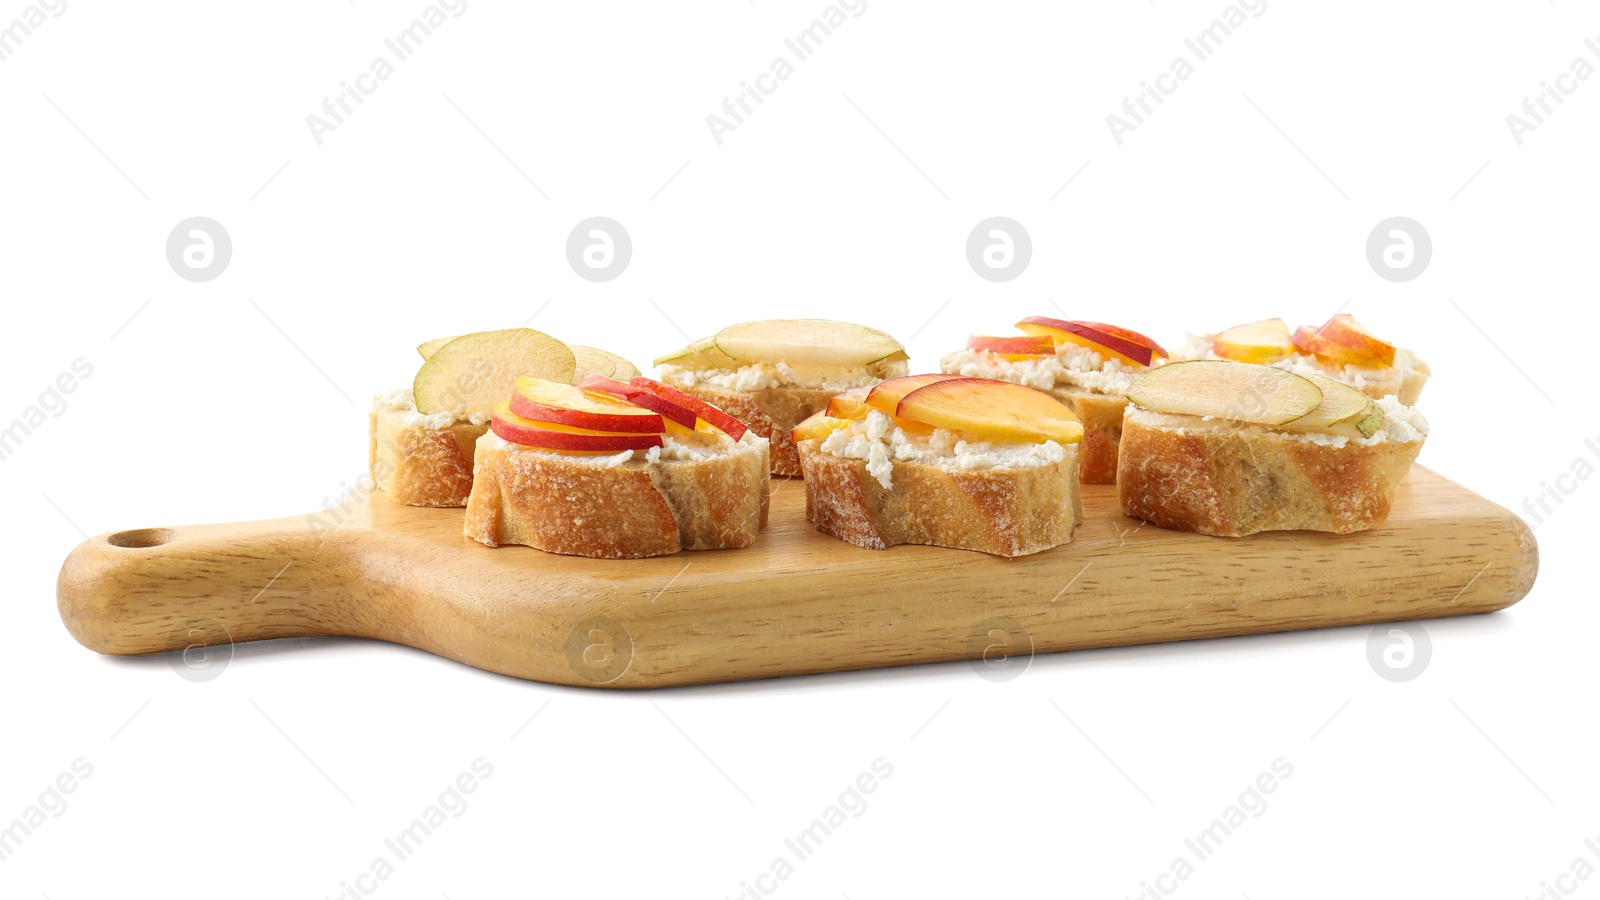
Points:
point(881, 443)
point(403, 402)
point(701, 446)
point(1071, 366)
point(1379, 381)
point(763, 376)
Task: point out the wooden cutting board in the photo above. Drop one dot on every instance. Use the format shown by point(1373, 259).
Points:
point(796, 602)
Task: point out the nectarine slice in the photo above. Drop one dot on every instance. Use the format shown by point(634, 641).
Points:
point(727, 424)
point(1120, 344)
point(555, 436)
point(981, 409)
point(886, 395)
point(1344, 340)
point(1025, 345)
point(1256, 342)
point(565, 404)
point(638, 396)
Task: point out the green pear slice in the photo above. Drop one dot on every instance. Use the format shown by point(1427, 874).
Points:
point(593, 361)
point(474, 372)
point(1343, 411)
point(1240, 392)
point(429, 348)
point(806, 342)
point(702, 354)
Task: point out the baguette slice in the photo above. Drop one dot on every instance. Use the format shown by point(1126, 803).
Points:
point(618, 506)
point(1007, 512)
point(771, 413)
point(1101, 415)
point(419, 460)
point(1221, 478)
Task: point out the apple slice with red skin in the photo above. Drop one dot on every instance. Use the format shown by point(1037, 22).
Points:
point(981, 409)
point(717, 418)
point(638, 396)
point(1118, 343)
point(555, 436)
point(564, 404)
point(886, 395)
point(1344, 340)
point(1023, 345)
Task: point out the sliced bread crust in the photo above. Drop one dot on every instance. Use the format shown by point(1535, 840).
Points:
point(1214, 478)
point(420, 466)
point(1101, 415)
point(593, 506)
point(771, 413)
point(1007, 512)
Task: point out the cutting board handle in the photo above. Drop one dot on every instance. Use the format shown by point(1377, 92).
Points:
point(152, 590)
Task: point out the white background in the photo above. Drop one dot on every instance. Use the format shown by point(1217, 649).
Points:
point(443, 205)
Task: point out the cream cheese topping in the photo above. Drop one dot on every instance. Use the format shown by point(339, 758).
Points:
point(763, 376)
point(1071, 366)
point(881, 443)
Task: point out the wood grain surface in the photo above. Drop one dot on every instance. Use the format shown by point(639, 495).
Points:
point(797, 602)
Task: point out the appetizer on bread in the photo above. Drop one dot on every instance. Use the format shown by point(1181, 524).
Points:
point(775, 372)
point(969, 463)
point(616, 470)
point(422, 439)
point(1341, 349)
point(1229, 448)
point(1086, 365)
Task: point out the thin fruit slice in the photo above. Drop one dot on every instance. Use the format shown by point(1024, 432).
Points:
point(1225, 389)
point(1120, 344)
point(702, 354)
point(727, 424)
point(428, 348)
point(1344, 340)
point(638, 396)
point(476, 371)
point(806, 342)
point(816, 426)
point(1343, 411)
point(978, 408)
point(564, 404)
point(1025, 345)
point(1256, 342)
point(886, 395)
point(552, 436)
point(590, 361)
point(851, 404)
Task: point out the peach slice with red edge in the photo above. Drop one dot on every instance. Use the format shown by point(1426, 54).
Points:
point(564, 404)
point(555, 436)
point(1022, 345)
point(1255, 342)
point(1345, 341)
point(886, 395)
point(851, 404)
point(1111, 341)
point(638, 396)
point(717, 418)
point(981, 409)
